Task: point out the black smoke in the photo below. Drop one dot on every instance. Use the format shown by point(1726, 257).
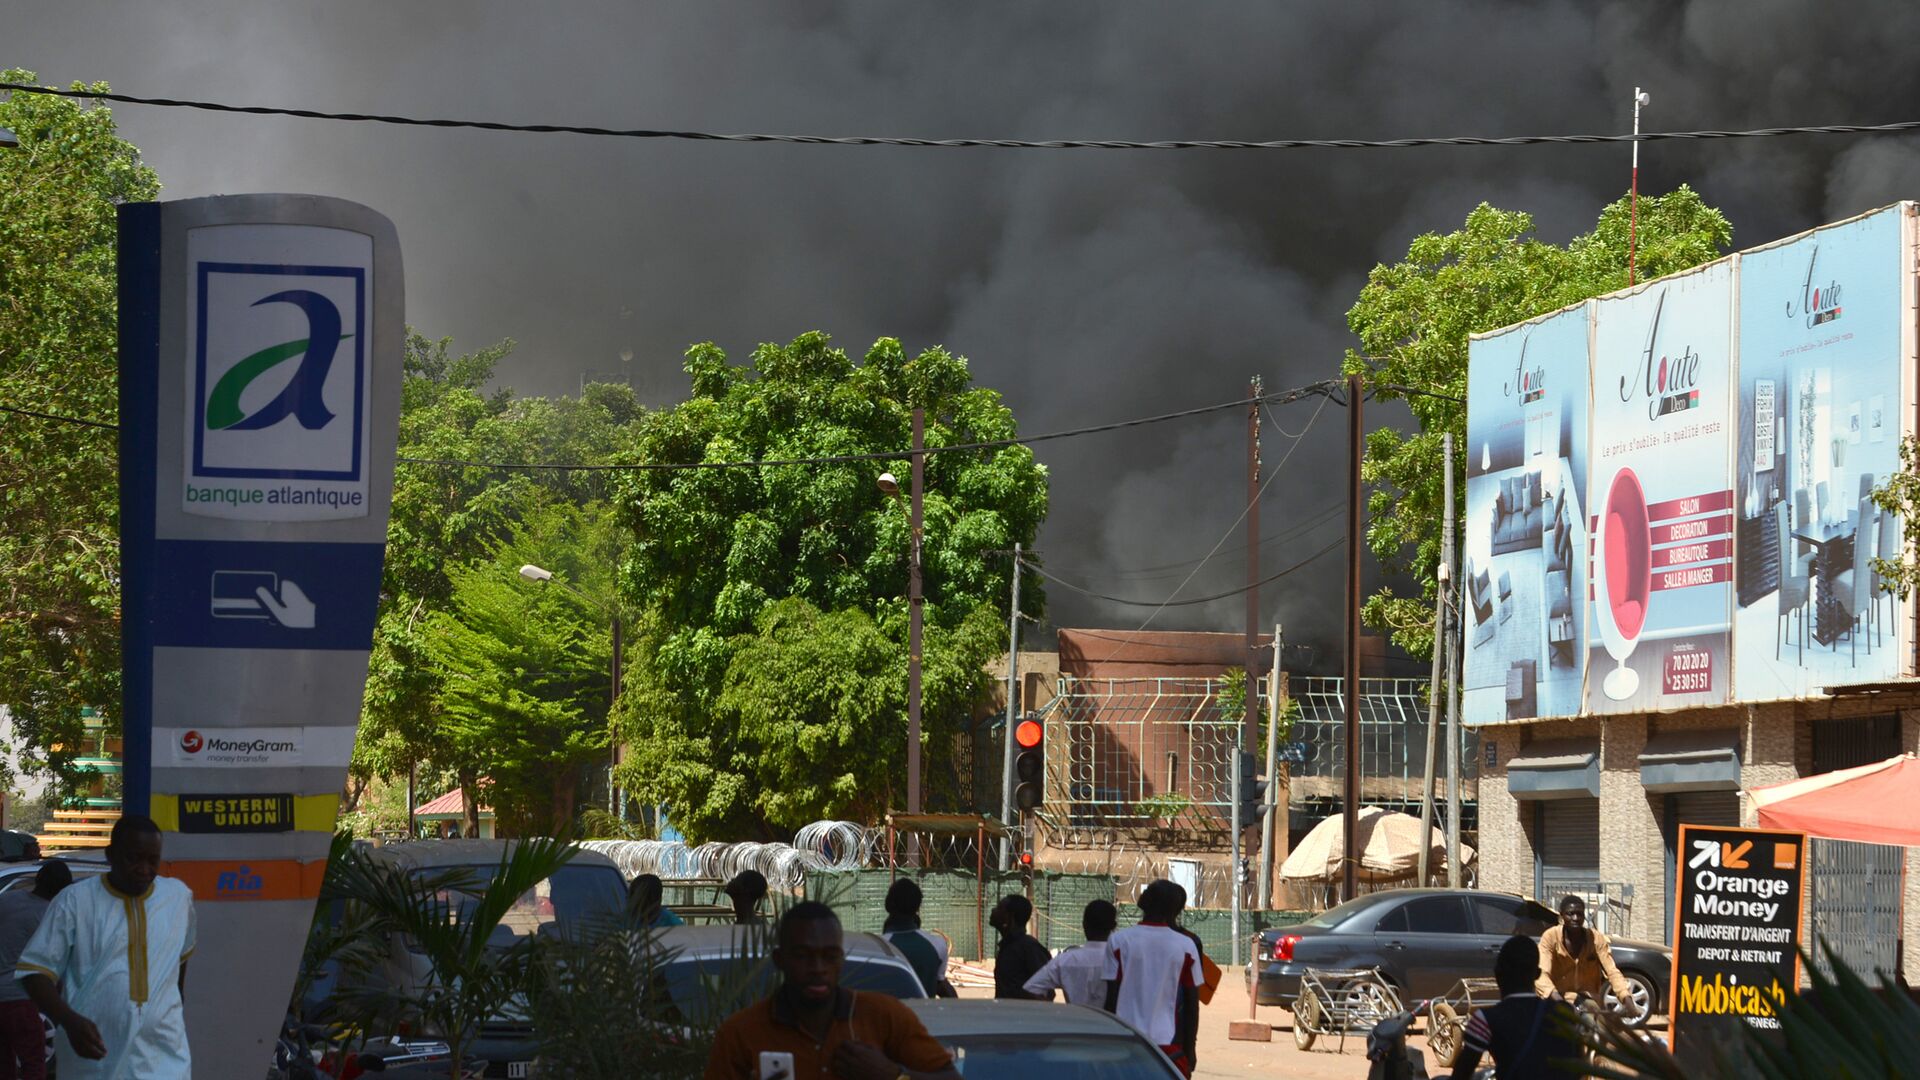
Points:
point(1087, 285)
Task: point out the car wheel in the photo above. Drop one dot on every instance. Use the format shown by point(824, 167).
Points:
point(1637, 1011)
point(1306, 1019)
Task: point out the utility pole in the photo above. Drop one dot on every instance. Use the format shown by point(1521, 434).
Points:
point(1439, 667)
point(1250, 717)
point(1276, 709)
point(1454, 649)
point(1640, 97)
point(1013, 713)
point(619, 667)
point(914, 604)
point(1350, 811)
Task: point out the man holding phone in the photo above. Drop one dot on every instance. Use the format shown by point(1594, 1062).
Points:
point(812, 1026)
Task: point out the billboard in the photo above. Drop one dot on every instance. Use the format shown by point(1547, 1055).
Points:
point(1722, 428)
point(1525, 570)
point(260, 349)
point(1822, 321)
point(1662, 553)
point(1736, 940)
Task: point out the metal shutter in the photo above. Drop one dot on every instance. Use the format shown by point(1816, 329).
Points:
point(1706, 808)
point(1569, 854)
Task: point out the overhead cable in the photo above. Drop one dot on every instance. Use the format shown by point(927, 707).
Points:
point(1281, 398)
point(995, 144)
point(1270, 579)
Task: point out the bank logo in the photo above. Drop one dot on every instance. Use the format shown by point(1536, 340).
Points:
point(191, 742)
point(1718, 853)
point(280, 378)
point(302, 398)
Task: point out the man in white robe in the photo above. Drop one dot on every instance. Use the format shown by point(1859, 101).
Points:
point(108, 962)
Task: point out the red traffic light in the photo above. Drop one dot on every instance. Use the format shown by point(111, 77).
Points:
point(1026, 859)
point(1027, 735)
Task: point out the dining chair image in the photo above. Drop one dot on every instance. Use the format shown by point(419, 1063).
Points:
point(1803, 519)
point(1887, 548)
point(1795, 590)
point(1853, 589)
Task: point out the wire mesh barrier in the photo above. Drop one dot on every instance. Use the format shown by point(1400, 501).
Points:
point(1140, 774)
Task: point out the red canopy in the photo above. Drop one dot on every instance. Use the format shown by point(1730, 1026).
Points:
point(1872, 804)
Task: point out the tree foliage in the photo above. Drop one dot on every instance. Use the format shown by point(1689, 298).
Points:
point(766, 687)
point(1413, 319)
point(59, 482)
point(525, 667)
point(456, 521)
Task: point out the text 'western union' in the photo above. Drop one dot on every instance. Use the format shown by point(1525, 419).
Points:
point(237, 811)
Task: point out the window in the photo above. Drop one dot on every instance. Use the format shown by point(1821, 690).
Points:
point(1509, 915)
point(1436, 915)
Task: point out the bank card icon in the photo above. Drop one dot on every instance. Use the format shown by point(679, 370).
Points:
point(260, 594)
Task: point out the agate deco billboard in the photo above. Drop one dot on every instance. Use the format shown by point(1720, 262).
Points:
point(1668, 487)
point(260, 340)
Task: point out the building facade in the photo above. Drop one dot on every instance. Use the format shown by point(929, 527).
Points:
point(1592, 806)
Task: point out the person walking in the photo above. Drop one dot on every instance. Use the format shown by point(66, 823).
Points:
point(1576, 960)
point(644, 908)
point(1020, 955)
point(811, 1026)
point(926, 952)
point(1079, 972)
point(108, 962)
point(1528, 1035)
point(23, 1042)
point(1147, 968)
point(1206, 980)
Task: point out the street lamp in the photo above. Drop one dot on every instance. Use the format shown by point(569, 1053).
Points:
point(891, 488)
point(541, 575)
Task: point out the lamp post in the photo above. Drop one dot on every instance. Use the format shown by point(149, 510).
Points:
point(891, 487)
point(543, 576)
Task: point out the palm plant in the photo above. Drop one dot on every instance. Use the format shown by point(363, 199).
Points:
point(1841, 1027)
point(451, 919)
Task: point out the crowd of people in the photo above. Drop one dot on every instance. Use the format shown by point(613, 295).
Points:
point(1154, 975)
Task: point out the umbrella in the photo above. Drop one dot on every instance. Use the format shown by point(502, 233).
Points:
point(1389, 848)
point(1861, 804)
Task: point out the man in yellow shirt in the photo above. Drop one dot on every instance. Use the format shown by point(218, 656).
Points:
point(1575, 959)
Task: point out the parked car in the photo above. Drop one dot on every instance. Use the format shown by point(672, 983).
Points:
point(16, 846)
point(700, 958)
point(1018, 1039)
point(587, 892)
point(1425, 940)
point(20, 875)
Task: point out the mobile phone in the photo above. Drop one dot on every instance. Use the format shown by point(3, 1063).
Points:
point(776, 1065)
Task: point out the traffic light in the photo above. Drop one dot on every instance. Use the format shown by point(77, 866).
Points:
point(1253, 793)
point(1029, 764)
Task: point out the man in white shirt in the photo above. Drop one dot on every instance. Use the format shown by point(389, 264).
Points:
point(108, 961)
point(1080, 972)
point(1147, 965)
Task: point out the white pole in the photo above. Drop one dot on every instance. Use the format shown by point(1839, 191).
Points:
point(1452, 665)
point(1274, 810)
point(1013, 715)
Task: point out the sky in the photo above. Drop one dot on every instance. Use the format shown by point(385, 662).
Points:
point(1086, 286)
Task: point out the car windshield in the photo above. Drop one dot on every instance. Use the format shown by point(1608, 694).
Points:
point(574, 898)
point(1056, 1057)
point(713, 987)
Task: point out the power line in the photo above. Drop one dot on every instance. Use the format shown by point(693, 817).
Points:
point(1251, 503)
point(56, 416)
point(1029, 564)
point(1281, 398)
point(1317, 519)
point(996, 144)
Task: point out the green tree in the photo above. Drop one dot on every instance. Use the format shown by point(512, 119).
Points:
point(766, 687)
point(525, 667)
point(449, 515)
point(59, 482)
point(1413, 319)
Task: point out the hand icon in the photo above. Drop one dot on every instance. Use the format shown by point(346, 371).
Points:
point(290, 609)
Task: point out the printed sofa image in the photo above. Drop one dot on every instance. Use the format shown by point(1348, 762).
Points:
point(1516, 514)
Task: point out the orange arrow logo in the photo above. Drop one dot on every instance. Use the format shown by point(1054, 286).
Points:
point(1735, 858)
